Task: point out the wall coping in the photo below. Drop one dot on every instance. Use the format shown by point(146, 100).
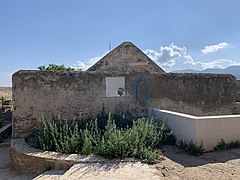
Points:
point(195, 117)
point(28, 160)
point(21, 146)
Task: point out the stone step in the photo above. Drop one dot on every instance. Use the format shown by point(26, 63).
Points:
point(92, 171)
point(50, 175)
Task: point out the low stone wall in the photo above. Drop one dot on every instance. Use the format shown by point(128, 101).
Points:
point(238, 91)
point(28, 160)
point(206, 130)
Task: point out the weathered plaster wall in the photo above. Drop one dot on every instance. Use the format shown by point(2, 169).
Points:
point(38, 93)
point(70, 94)
point(196, 94)
point(126, 58)
point(238, 91)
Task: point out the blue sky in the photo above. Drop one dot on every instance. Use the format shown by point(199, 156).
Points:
point(177, 34)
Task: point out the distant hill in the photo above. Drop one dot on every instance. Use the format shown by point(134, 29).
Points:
point(234, 70)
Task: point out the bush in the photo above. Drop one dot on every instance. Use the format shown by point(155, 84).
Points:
point(168, 137)
point(121, 119)
point(56, 135)
point(54, 67)
point(139, 139)
point(191, 148)
point(222, 145)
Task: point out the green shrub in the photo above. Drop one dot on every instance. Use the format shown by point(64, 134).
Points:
point(222, 145)
point(168, 137)
point(56, 135)
point(191, 148)
point(122, 119)
point(54, 67)
point(138, 139)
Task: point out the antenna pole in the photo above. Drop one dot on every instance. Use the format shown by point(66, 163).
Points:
point(109, 47)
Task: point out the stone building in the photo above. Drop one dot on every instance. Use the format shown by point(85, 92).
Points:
point(125, 79)
point(126, 58)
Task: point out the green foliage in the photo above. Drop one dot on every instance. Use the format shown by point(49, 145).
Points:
point(138, 139)
point(54, 67)
point(56, 135)
point(168, 137)
point(121, 119)
point(191, 148)
point(222, 145)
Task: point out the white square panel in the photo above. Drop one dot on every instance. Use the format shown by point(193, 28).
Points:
point(115, 86)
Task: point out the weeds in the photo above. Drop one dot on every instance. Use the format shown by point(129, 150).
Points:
point(191, 148)
point(222, 145)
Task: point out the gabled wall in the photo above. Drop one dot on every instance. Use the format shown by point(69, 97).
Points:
point(126, 58)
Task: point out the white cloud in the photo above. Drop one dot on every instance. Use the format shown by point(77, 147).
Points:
point(168, 55)
point(170, 58)
point(214, 48)
point(219, 63)
point(88, 63)
point(175, 57)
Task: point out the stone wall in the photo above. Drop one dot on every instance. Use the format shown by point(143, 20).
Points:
point(71, 94)
point(126, 58)
point(238, 91)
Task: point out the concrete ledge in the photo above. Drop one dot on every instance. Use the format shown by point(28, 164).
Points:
point(26, 159)
point(208, 130)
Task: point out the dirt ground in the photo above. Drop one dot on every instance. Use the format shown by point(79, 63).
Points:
point(6, 172)
point(212, 165)
point(175, 165)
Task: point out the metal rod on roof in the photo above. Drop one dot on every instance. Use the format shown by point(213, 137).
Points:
point(109, 47)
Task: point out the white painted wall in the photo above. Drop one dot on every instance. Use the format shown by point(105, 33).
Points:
point(182, 125)
point(211, 129)
point(208, 130)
